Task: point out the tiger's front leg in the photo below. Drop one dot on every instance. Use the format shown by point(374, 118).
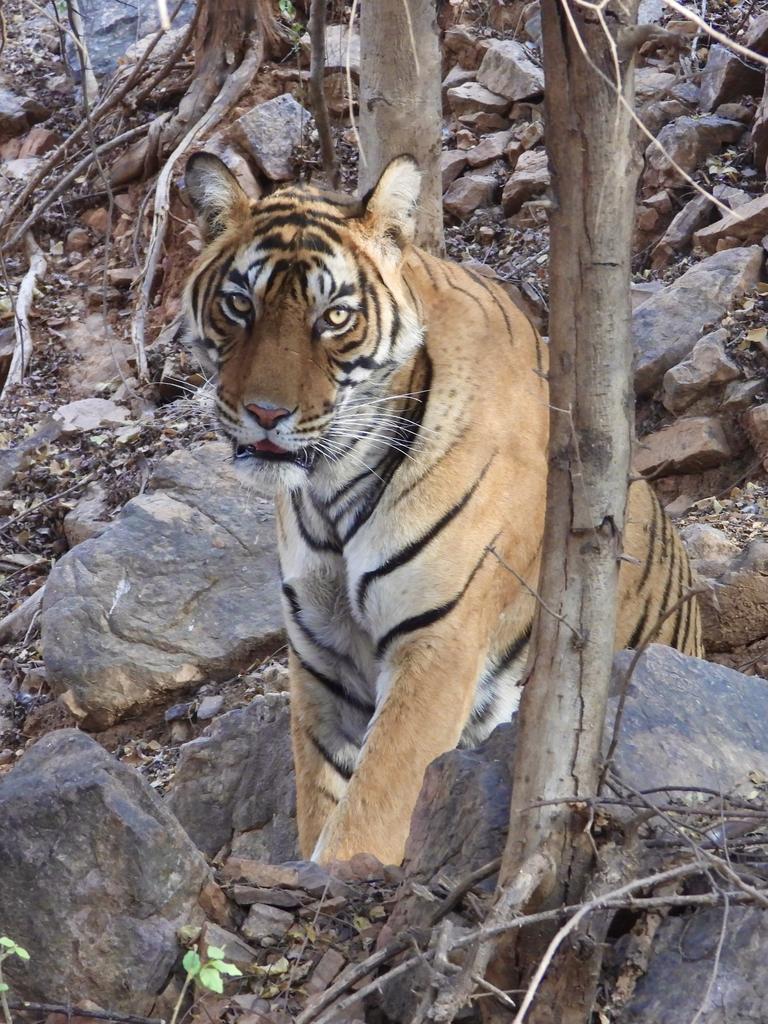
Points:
point(426, 694)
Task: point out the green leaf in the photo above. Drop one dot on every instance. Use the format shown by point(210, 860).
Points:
point(4, 987)
point(225, 968)
point(5, 941)
point(211, 979)
point(21, 952)
point(191, 962)
point(216, 953)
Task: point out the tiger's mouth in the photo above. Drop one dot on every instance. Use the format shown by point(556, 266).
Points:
point(268, 451)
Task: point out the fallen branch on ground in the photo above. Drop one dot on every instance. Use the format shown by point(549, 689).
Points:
point(23, 349)
point(75, 1011)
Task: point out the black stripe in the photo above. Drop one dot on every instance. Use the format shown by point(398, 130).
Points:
point(512, 651)
point(428, 618)
point(337, 689)
point(670, 565)
point(306, 219)
point(398, 456)
point(486, 286)
point(408, 552)
point(677, 631)
point(315, 543)
point(475, 299)
point(650, 557)
point(342, 769)
point(295, 609)
point(639, 629)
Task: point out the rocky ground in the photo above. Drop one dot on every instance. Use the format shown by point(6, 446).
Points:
point(138, 596)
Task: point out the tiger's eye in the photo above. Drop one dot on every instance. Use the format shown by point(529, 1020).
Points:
point(239, 303)
point(337, 317)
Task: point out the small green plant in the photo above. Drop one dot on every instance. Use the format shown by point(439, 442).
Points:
point(208, 973)
point(8, 948)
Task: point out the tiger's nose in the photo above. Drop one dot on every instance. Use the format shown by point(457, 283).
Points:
point(267, 418)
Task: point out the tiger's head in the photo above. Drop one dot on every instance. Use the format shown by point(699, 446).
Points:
point(298, 307)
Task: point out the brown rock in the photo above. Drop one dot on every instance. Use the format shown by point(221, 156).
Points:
point(735, 112)
point(97, 220)
point(687, 446)
point(688, 141)
point(726, 76)
point(706, 366)
point(455, 77)
point(327, 968)
point(452, 163)
point(38, 141)
point(482, 122)
point(89, 518)
point(491, 148)
point(264, 921)
point(677, 237)
point(247, 895)
point(77, 240)
point(468, 194)
point(737, 612)
point(462, 45)
point(122, 277)
point(235, 950)
point(756, 424)
point(652, 84)
point(18, 114)
point(507, 69)
point(473, 97)
point(529, 178)
point(740, 394)
point(747, 225)
point(667, 326)
point(658, 113)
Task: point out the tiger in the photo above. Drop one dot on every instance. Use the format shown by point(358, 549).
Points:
point(398, 404)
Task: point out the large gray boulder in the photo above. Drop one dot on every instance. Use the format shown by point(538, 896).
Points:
point(183, 586)
point(97, 877)
point(676, 985)
point(235, 784)
point(685, 722)
point(270, 133)
point(666, 327)
point(112, 26)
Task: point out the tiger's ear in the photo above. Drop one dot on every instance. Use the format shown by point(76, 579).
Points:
point(215, 193)
point(390, 206)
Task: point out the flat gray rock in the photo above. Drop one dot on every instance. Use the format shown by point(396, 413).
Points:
point(235, 783)
point(97, 877)
point(183, 586)
point(666, 327)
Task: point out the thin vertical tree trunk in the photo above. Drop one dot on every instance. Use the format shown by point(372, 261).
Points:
point(594, 173)
point(400, 107)
point(317, 14)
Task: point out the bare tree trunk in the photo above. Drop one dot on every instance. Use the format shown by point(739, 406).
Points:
point(594, 173)
point(222, 31)
point(317, 14)
point(400, 109)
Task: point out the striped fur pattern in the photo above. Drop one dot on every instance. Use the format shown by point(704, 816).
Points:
point(409, 454)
